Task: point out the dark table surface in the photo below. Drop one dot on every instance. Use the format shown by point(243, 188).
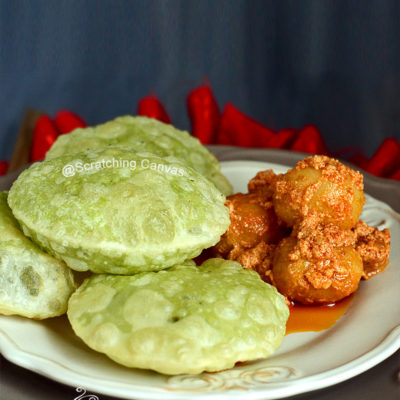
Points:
point(380, 382)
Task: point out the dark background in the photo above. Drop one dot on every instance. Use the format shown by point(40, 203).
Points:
point(335, 64)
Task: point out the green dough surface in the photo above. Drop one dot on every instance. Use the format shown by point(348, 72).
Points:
point(186, 319)
point(32, 283)
point(147, 215)
point(148, 135)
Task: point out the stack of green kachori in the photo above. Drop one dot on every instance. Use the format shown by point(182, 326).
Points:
point(133, 210)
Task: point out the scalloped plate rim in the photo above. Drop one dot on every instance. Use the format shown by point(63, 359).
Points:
point(389, 345)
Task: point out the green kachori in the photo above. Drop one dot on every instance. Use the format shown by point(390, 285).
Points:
point(120, 212)
point(32, 283)
point(148, 135)
point(186, 319)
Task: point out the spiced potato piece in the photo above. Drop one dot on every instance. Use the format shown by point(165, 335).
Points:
point(253, 233)
point(317, 264)
point(323, 185)
point(264, 182)
point(373, 246)
point(253, 220)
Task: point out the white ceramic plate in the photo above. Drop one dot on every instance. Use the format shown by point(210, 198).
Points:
point(368, 333)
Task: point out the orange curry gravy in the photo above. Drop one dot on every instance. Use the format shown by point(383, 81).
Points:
point(315, 318)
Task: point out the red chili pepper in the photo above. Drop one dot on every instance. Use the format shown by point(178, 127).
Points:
point(395, 175)
point(309, 140)
point(44, 135)
point(151, 107)
point(282, 139)
point(352, 154)
point(66, 121)
point(204, 114)
point(238, 129)
point(360, 160)
point(386, 160)
point(3, 167)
